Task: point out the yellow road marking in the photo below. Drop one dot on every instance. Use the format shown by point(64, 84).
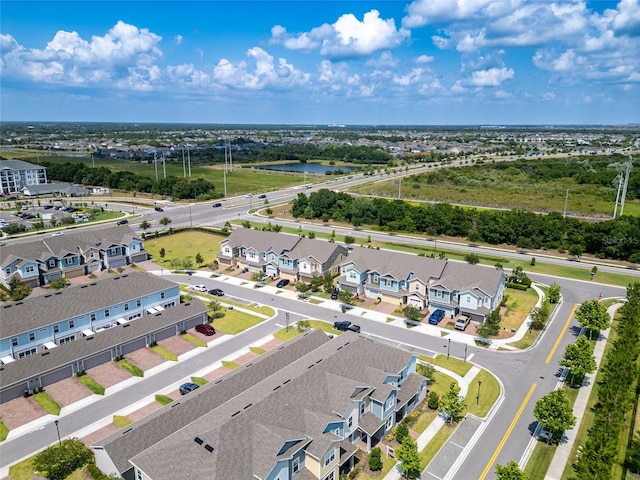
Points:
point(564, 329)
point(509, 430)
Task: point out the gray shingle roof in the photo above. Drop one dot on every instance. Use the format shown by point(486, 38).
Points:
point(262, 241)
point(321, 250)
point(164, 447)
point(20, 165)
point(396, 264)
point(479, 279)
point(32, 313)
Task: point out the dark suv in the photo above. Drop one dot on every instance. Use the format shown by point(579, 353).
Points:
point(436, 316)
point(334, 295)
point(354, 328)
point(187, 387)
point(343, 326)
point(205, 329)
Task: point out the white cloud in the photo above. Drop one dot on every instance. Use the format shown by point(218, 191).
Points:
point(178, 39)
point(492, 77)
point(423, 59)
point(266, 72)
point(347, 37)
point(414, 76)
point(385, 60)
point(423, 12)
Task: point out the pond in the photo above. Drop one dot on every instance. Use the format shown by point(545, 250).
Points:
point(306, 167)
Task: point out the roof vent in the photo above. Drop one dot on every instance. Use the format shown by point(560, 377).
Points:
point(276, 387)
point(235, 413)
point(58, 293)
point(208, 448)
point(83, 286)
point(248, 365)
point(47, 296)
point(127, 431)
point(19, 303)
point(286, 381)
point(198, 440)
point(247, 406)
point(218, 381)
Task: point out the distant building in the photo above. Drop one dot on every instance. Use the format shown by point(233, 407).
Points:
point(16, 175)
point(61, 188)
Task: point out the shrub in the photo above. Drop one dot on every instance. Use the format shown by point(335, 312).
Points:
point(354, 473)
point(59, 461)
point(375, 462)
point(402, 432)
point(434, 401)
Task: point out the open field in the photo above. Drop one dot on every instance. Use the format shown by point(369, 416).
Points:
point(184, 244)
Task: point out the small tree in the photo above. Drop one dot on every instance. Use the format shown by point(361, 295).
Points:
point(312, 235)
point(345, 296)
point(216, 309)
point(315, 283)
point(199, 258)
point(428, 371)
point(540, 315)
point(348, 239)
point(412, 313)
point(246, 224)
point(375, 460)
point(553, 293)
point(402, 432)
point(533, 261)
point(510, 471)
point(578, 358)
point(410, 460)
point(491, 325)
point(162, 252)
point(59, 461)
point(18, 290)
point(58, 283)
point(434, 401)
point(472, 258)
point(144, 225)
point(554, 414)
point(164, 221)
point(327, 282)
point(452, 404)
point(593, 315)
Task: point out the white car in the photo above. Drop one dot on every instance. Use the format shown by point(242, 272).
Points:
point(200, 288)
point(249, 195)
point(57, 234)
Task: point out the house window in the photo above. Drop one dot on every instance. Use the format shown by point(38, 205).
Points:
point(29, 269)
point(72, 324)
point(91, 255)
point(27, 353)
point(162, 295)
point(468, 299)
point(376, 278)
point(350, 422)
point(93, 317)
point(362, 409)
point(14, 342)
point(439, 293)
point(106, 313)
point(138, 475)
point(52, 263)
point(329, 477)
point(7, 271)
point(296, 465)
point(352, 275)
point(113, 251)
point(126, 307)
point(138, 303)
point(390, 403)
point(329, 457)
point(68, 261)
point(417, 286)
point(389, 423)
point(56, 329)
point(66, 339)
point(32, 336)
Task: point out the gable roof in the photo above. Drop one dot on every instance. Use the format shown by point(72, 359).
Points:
point(396, 264)
point(478, 279)
point(320, 250)
point(262, 241)
point(290, 398)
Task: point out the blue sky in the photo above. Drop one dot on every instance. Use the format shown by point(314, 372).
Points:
point(427, 62)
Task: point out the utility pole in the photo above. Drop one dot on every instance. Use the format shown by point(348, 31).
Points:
point(566, 199)
point(615, 210)
point(164, 166)
point(155, 164)
point(184, 168)
point(189, 161)
point(626, 184)
point(399, 188)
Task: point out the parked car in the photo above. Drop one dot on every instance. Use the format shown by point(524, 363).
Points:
point(47, 207)
point(159, 209)
point(187, 387)
point(436, 316)
point(334, 294)
point(342, 325)
point(217, 292)
point(200, 288)
point(124, 221)
point(354, 328)
point(205, 329)
point(266, 278)
point(462, 322)
point(262, 196)
point(57, 234)
point(282, 283)
point(249, 195)
point(216, 205)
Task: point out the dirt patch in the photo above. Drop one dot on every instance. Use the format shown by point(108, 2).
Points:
point(145, 358)
point(20, 411)
point(68, 391)
point(177, 345)
point(108, 374)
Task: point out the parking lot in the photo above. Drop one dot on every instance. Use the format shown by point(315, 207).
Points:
point(50, 211)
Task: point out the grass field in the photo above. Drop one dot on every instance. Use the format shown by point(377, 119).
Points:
point(184, 244)
point(235, 322)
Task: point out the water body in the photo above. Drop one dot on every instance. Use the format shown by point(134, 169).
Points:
point(306, 167)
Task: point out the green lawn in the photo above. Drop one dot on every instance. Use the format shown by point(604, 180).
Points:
point(4, 431)
point(257, 350)
point(121, 421)
point(235, 322)
point(456, 365)
point(182, 245)
point(163, 399)
point(196, 341)
point(480, 398)
point(519, 304)
point(91, 384)
point(164, 353)
point(230, 365)
point(47, 403)
point(131, 368)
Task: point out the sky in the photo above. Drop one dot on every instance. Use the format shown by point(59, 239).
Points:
point(299, 62)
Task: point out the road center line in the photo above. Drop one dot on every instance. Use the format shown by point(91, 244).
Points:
point(508, 433)
point(564, 329)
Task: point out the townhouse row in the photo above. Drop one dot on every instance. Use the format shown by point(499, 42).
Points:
point(398, 278)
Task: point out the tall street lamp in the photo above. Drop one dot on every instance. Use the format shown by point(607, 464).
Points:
point(478, 396)
point(58, 430)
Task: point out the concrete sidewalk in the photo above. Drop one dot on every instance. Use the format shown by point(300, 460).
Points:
point(561, 456)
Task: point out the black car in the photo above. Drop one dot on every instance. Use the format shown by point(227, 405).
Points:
point(187, 387)
point(216, 205)
point(262, 196)
point(122, 222)
point(158, 209)
point(217, 292)
point(282, 283)
point(343, 325)
point(334, 295)
point(354, 328)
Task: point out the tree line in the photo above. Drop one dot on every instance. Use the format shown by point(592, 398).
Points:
point(171, 186)
point(617, 239)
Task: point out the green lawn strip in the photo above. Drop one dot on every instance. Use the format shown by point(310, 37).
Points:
point(440, 386)
point(286, 334)
point(121, 421)
point(4, 431)
point(257, 350)
point(588, 416)
point(525, 342)
point(235, 322)
point(131, 368)
point(456, 365)
point(387, 465)
point(519, 303)
point(195, 340)
point(263, 309)
point(164, 353)
point(22, 470)
point(91, 384)
point(230, 365)
point(47, 403)
point(163, 399)
point(540, 460)
point(199, 381)
point(489, 391)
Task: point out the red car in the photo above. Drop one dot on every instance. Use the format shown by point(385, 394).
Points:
point(205, 329)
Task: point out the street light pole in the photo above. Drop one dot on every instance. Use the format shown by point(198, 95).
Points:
point(448, 348)
point(58, 430)
point(478, 396)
